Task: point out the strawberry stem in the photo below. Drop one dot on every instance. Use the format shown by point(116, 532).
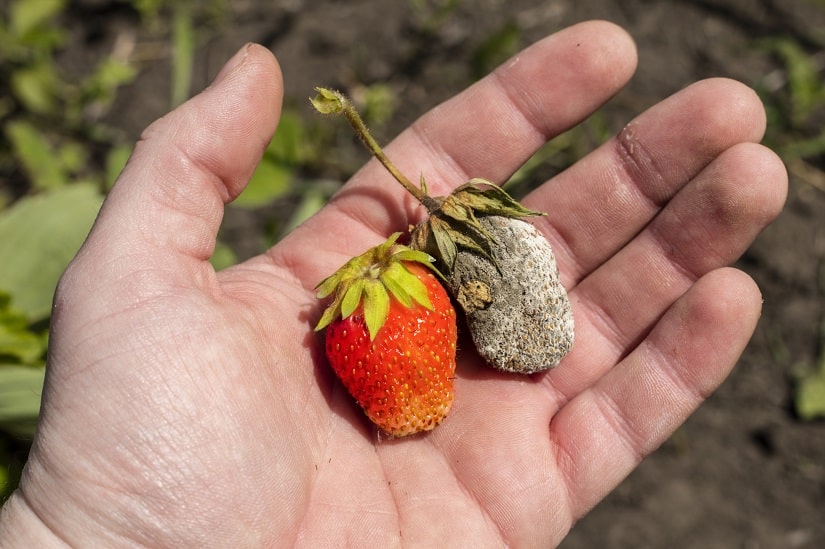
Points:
point(333, 102)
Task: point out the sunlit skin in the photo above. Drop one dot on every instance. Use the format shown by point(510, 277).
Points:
point(189, 408)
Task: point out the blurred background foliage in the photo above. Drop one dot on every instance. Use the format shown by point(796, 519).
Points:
point(58, 158)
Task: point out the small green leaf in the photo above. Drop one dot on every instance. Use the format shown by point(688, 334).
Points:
point(35, 86)
point(327, 286)
point(810, 389)
point(408, 254)
point(330, 314)
point(457, 210)
point(39, 235)
point(810, 395)
point(422, 184)
point(269, 182)
point(25, 16)
point(39, 160)
point(491, 200)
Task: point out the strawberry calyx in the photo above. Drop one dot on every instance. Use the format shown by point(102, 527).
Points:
point(371, 280)
point(453, 220)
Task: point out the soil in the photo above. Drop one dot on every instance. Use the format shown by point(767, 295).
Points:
point(743, 471)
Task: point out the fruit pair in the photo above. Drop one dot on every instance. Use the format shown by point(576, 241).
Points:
point(499, 269)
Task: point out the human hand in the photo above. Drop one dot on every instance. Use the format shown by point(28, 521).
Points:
point(185, 407)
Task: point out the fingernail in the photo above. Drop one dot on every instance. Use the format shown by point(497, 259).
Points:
point(234, 62)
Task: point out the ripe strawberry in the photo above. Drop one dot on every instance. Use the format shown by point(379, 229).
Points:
point(391, 337)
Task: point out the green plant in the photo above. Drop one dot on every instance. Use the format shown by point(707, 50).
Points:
point(185, 23)
point(497, 48)
point(53, 196)
point(38, 236)
point(794, 98)
point(56, 161)
point(429, 15)
point(50, 123)
point(809, 398)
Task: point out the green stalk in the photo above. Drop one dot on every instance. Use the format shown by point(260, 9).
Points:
point(333, 102)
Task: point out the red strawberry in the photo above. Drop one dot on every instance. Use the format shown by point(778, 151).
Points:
point(391, 337)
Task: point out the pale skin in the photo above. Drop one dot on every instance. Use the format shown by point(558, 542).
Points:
point(185, 407)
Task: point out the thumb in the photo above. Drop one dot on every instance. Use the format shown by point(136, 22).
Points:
point(166, 207)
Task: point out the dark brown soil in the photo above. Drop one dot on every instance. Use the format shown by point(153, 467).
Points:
point(743, 471)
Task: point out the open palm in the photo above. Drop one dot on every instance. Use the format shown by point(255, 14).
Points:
point(185, 407)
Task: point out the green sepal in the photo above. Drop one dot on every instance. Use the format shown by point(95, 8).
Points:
point(405, 286)
point(422, 184)
point(330, 314)
point(418, 256)
point(391, 280)
point(441, 236)
point(372, 280)
point(352, 297)
point(376, 306)
point(329, 284)
point(327, 101)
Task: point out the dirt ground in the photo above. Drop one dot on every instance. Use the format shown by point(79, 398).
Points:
point(743, 471)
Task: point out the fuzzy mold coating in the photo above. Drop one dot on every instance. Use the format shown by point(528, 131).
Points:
point(519, 314)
